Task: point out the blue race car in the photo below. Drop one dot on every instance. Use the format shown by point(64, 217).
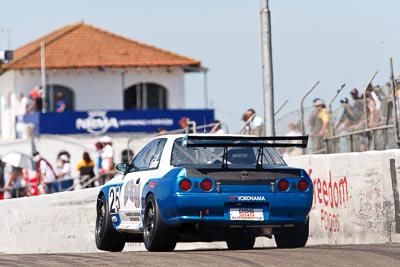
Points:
point(205, 188)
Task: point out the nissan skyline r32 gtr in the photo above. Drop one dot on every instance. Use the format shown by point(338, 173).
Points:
point(205, 188)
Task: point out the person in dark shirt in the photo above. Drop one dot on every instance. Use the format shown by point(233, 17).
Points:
point(1, 174)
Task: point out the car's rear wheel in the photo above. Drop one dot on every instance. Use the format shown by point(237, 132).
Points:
point(156, 235)
point(107, 238)
point(295, 237)
point(240, 243)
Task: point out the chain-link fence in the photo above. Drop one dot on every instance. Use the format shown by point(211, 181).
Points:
point(375, 129)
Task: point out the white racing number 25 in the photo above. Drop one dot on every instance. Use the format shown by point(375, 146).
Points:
point(113, 199)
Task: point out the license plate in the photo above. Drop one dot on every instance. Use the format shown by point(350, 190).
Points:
point(246, 214)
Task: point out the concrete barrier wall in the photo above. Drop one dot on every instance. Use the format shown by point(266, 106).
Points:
point(354, 203)
point(62, 222)
point(354, 197)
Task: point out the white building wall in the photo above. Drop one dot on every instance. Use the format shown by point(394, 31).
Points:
point(93, 88)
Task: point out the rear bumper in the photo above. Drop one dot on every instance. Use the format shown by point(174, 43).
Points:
point(270, 209)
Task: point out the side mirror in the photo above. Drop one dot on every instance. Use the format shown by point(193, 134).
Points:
point(122, 167)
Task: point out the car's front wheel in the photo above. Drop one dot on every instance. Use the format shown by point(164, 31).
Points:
point(156, 235)
point(107, 238)
point(240, 243)
point(295, 237)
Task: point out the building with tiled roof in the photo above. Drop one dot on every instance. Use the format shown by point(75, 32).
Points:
point(93, 69)
point(84, 46)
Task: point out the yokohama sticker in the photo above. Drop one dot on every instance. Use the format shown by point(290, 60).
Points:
point(247, 198)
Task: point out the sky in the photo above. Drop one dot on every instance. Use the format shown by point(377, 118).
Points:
point(333, 42)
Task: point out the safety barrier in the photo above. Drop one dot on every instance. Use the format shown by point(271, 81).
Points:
point(57, 186)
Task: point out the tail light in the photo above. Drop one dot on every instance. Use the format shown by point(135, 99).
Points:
point(302, 185)
point(185, 184)
point(283, 185)
point(206, 185)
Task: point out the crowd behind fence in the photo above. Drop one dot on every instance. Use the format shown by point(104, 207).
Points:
point(365, 121)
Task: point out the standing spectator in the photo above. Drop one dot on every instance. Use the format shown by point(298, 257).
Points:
point(127, 155)
point(36, 104)
point(312, 120)
point(61, 103)
point(64, 168)
point(348, 118)
point(256, 123)
point(315, 123)
point(63, 152)
point(293, 130)
point(372, 110)
point(322, 132)
point(358, 110)
point(21, 105)
point(107, 158)
point(46, 174)
point(86, 169)
point(31, 105)
point(1, 178)
point(246, 128)
point(21, 108)
point(15, 186)
point(185, 123)
point(59, 165)
point(217, 129)
point(383, 111)
point(64, 172)
point(39, 101)
point(397, 99)
point(99, 148)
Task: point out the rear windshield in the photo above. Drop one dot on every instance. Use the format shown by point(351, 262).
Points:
point(218, 157)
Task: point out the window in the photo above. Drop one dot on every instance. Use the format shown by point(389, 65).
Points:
point(213, 157)
point(145, 96)
point(149, 157)
point(51, 96)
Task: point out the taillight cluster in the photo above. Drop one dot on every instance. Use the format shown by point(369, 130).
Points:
point(206, 185)
point(186, 184)
point(302, 185)
point(283, 185)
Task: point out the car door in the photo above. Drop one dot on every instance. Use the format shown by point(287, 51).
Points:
point(145, 166)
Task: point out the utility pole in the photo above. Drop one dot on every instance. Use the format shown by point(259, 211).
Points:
point(43, 75)
point(268, 79)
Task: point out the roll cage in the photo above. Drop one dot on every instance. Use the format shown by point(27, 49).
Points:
point(231, 151)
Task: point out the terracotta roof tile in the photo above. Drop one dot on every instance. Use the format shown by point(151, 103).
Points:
point(84, 46)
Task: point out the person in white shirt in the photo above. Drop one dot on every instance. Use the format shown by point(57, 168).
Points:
point(292, 151)
point(45, 173)
point(21, 105)
point(256, 123)
point(107, 155)
point(64, 171)
point(107, 158)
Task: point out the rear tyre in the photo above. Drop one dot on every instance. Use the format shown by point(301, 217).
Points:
point(295, 237)
point(107, 238)
point(240, 243)
point(156, 235)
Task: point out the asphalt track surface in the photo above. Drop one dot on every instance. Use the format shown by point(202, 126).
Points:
point(349, 255)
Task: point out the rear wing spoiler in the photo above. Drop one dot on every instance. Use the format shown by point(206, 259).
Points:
point(244, 141)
